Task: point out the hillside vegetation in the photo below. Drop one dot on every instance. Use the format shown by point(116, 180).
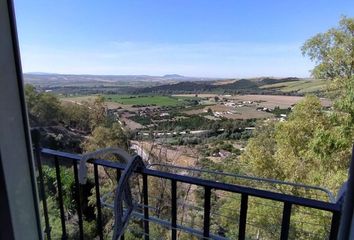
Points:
point(300, 86)
point(240, 86)
point(69, 85)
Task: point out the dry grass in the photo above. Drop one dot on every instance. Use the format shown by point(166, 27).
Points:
point(176, 155)
point(240, 112)
point(202, 95)
point(272, 101)
point(195, 111)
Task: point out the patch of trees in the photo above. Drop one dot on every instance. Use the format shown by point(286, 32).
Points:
point(216, 146)
point(45, 109)
point(277, 111)
point(266, 81)
point(143, 120)
point(88, 90)
point(194, 122)
point(242, 86)
point(59, 124)
point(63, 125)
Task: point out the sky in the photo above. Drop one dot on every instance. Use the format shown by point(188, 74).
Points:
point(205, 38)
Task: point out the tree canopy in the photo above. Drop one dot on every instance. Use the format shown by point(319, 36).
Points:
point(313, 146)
point(333, 51)
point(43, 108)
point(103, 137)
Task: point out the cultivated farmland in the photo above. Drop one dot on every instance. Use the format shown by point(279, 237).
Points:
point(144, 100)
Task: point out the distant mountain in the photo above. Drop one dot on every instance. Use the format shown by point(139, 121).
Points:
point(227, 86)
point(167, 84)
point(48, 78)
point(40, 73)
point(267, 80)
point(240, 84)
point(173, 76)
point(178, 88)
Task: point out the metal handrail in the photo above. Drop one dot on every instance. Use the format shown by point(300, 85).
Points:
point(208, 185)
point(329, 194)
point(301, 201)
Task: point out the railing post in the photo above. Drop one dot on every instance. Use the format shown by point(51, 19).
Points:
point(98, 202)
point(174, 209)
point(78, 200)
point(345, 231)
point(207, 206)
point(37, 152)
point(285, 225)
point(119, 174)
point(146, 208)
point(334, 226)
point(60, 198)
point(243, 217)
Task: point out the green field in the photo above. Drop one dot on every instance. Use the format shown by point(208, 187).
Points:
point(302, 86)
point(145, 100)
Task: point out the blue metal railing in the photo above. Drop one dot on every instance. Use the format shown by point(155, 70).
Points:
point(328, 194)
point(288, 201)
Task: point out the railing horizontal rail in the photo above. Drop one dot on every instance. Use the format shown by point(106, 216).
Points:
point(300, 201)
point(178, 227)
point(252, 178)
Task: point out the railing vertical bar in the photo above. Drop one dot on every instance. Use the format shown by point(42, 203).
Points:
point(98, 203)
point(334, 226)
point(285, 225)
point(78, 201)
point(207, 200)
point(60, 198)
point(243, 217)
point(37, 151)
point(347, 206)
point(146, 209)
point(118, 175)
point(174, 209)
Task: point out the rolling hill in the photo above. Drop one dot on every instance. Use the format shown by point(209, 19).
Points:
point(287, 86)
point(170, 84)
